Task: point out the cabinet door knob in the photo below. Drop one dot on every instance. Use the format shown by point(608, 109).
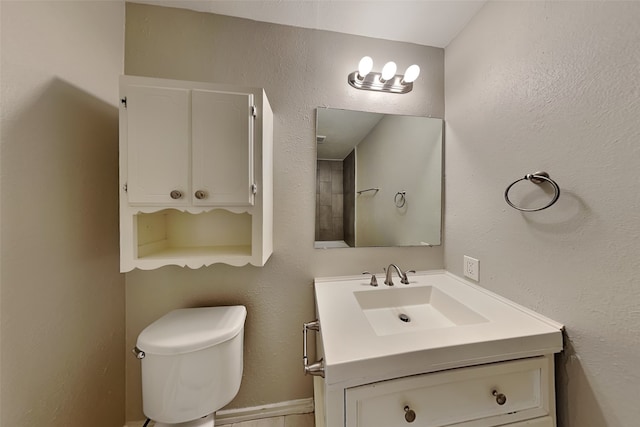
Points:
point(201, 195)
point(175, 194)
point(501, 399)
point(409, 414)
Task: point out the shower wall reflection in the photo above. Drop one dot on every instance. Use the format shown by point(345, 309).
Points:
point(335, 201)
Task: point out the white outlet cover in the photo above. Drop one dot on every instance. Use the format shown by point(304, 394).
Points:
point(471, 268)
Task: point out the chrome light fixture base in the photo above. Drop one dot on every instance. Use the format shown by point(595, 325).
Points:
point(374, 81)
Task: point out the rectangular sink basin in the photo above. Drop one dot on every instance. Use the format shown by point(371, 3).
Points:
point(452, 323)
point(404, 310)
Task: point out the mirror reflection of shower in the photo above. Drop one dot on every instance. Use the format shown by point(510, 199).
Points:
point(335, 202)
point(364, 161)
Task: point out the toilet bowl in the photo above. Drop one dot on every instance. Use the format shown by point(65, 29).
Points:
point(191, 364)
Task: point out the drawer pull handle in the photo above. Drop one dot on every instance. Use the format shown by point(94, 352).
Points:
point(501, 399)
point(200, 195)
point(409, 414)
point(175, 194)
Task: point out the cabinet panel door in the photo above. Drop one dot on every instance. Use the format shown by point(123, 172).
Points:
point(222, 144)
point(158, 128)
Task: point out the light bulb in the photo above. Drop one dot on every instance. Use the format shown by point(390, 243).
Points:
point(389, 70)
point(365, 66)
point(411, 74)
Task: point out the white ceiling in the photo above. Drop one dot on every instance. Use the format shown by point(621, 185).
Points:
point(343, 130)
point(424, 22)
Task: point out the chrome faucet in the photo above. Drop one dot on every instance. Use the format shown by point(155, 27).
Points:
point(403, 276)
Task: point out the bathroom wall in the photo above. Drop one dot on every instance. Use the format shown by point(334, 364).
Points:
point(401, 144)
point(300, 70)
point(61, 296)
point(554, 86)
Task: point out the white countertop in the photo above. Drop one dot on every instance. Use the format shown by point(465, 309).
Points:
point(354, 353)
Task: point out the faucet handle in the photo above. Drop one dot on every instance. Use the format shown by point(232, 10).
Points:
point(374, 281)
point(404, 280)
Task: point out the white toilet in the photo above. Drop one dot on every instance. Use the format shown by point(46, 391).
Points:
point(191, 364)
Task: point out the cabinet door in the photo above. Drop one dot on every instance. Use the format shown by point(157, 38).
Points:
point(158, 131)
point(222, 144)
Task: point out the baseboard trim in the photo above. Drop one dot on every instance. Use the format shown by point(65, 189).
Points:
point(291, 407)
point(230, 416)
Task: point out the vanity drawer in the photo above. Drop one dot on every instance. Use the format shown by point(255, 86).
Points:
point(458, 397)
point(538, 422)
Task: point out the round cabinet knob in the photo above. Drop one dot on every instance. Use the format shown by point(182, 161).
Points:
point(200, 195)
point(175, 194)
point(409, 414)
point(501, 399)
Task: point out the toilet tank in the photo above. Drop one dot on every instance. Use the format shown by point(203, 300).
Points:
point(192, 363)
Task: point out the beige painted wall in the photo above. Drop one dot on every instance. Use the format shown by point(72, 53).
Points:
point(300, 70)
point(555, 86)
point(61, 296)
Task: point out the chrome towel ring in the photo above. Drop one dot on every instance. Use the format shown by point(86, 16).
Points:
point(400, 199)
point(536, 178)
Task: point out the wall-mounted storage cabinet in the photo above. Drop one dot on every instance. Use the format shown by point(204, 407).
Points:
point(195, 174)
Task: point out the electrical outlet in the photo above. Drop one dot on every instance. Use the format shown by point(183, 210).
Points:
point(471, 268)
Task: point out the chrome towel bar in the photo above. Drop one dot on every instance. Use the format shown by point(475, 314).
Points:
point(368, 189)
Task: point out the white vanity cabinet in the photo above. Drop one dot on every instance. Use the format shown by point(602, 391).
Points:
point(195, 174)
point(386, 357)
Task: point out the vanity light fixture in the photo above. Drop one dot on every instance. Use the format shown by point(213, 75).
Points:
point(386, 81)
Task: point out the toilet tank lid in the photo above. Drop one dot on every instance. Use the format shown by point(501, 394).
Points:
point(190, 329)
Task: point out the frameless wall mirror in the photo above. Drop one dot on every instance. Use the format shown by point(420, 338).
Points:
point(378, 179)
